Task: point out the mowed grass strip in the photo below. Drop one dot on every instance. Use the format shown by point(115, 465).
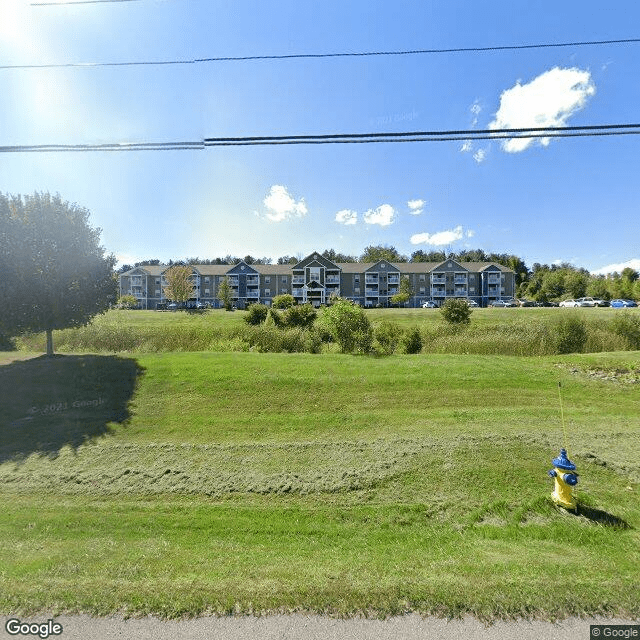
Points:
point(353, 485)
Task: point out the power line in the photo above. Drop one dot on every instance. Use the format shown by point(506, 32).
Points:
point(461, 135)
point(298, 56)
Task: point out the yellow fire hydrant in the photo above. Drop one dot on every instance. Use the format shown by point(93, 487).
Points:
point(565, 479)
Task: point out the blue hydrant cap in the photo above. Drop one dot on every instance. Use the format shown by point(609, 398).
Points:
point(562, 462)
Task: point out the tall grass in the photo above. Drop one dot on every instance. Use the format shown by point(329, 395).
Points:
point(509, 333)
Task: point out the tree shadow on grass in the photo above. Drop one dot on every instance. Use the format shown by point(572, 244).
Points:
point(47, 403)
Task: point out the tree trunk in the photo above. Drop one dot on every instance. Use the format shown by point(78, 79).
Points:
point(49, 342)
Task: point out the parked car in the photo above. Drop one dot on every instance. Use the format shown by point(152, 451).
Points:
point(591, 302)
point(526, 303)
point(621, 303)
point(569, 303)
point(472, 303)
point(499, 303)
point(429, 304)
point(172, 306)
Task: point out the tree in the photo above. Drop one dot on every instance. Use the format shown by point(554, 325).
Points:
point(405, 293)
point(349, 326)
point(381, 252)
point(225, 294)
point(128, 302)
point(55, 274)
point(179, 286)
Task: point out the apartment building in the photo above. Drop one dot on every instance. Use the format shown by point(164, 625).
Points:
point(315, 279)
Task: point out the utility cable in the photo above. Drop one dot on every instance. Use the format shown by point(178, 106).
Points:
point(461, 135)
point(298, 56)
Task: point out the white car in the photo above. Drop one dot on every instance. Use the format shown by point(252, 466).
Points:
point(429, 304)
point(569, 303)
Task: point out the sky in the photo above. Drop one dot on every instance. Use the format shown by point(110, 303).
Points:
point(545, 200)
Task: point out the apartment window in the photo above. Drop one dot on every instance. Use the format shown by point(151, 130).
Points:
point(357, 290)
point(267, 292)
point(207, 280)
point(157, 280)
point(267, 280)
point(421, 289)
point(284, 279)
point(157, 293)
point(206, 292)
point(357, 278)
point(422, 277)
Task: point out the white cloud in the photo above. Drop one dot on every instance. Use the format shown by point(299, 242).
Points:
point(382, 216)
point(480, 155)
point(470, 233)
point(347, 217)
point(416, 207)
point(282, 205)
point(618, 268)
point(440, 238)
point(547, 101)
point(466, 147)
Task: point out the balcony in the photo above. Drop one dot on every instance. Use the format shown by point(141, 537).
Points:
point(393, 280)
point(253, 280)
point(332, 280)
point(371, 280)
point(253, 293)
point(493, 279)
point(438, 279)
point(460, 291)
point(297, 293)
point(460, 280)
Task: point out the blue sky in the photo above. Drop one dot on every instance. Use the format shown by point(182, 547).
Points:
point(573, 200)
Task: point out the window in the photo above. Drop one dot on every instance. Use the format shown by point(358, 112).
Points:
point(422, 277)
point(157, 293)
point(284, 279)
point(207, 279)
point(356, 278)
point(357, 290)
point(267, 292)
point(206, 292)
point(267, 279)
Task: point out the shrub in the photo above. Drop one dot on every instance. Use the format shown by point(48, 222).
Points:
point(387, 335)
point(127, 302)
point(627, 326)
point(256, 314)
point(302, 315)
point(412, 341)
point(283, 301)
point(349, 326)
point(570, 335)
point(456, 311)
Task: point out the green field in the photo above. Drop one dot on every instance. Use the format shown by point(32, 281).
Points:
point(184, 483)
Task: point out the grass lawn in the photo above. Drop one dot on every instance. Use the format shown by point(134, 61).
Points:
point(182, 483)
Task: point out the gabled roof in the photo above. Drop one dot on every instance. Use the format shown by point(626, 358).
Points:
point(315, 258)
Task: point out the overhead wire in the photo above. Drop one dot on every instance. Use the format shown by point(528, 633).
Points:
point(294, 56)
point(461, 135)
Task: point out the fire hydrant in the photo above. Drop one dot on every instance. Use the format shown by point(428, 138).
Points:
point(565, 479)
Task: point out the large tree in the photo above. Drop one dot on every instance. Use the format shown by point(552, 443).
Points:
point(54, 272)
point(179, 286)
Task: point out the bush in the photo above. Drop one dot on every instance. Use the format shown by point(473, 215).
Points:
point(284, 301)
point(302, 315)
point(387, 335)
point(349, 326)
point(570, 335)
point(456, 311)
point(127, 302)
point(627, 326)
point(256, 314)
point(412, 341)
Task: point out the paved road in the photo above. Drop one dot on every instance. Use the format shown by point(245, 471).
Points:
point(312, 627)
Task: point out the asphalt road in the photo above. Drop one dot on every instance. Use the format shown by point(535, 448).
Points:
point(311, 627)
